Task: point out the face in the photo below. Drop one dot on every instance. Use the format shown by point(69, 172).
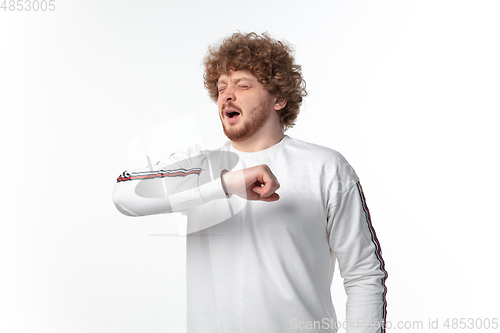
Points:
point(244, 104)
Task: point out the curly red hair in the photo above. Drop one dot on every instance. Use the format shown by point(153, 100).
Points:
point(269, 60)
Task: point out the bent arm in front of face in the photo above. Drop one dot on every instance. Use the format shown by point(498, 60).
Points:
point(169, 188)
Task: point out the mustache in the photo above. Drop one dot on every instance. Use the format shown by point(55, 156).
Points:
point(230, 105)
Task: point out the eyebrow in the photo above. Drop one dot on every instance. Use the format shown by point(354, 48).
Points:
point(219, 82)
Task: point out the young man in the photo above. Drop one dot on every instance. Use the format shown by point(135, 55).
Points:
point(263, 239)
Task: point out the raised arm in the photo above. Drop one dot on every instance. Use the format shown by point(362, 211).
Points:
point(190, 181)
point(167, 188)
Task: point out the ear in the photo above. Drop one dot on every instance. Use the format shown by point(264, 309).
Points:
point(279, 104)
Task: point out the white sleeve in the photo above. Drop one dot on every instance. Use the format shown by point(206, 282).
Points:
point(172, 186)
point(357, 249)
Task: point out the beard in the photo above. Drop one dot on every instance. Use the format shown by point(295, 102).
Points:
point(248, 125)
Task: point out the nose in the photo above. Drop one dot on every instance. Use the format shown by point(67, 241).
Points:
point(228, 94)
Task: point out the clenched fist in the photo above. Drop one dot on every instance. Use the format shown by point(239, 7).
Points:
point(255, 183)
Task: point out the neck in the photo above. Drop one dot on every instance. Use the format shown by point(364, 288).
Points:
point(264, 138)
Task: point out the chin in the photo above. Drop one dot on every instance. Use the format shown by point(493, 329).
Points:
point(237, 136)
point(236, 133)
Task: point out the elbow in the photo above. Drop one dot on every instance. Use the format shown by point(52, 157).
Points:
point(120, 203)
point(124, 211)
point(130, 203)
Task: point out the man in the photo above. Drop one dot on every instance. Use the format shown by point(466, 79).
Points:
point(263, 239)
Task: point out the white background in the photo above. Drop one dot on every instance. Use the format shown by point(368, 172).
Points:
point(407, 91)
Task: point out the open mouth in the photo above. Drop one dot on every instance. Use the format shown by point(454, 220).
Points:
point(232, 114)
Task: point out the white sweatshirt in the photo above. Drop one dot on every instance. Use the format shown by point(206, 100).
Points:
point(262, 267)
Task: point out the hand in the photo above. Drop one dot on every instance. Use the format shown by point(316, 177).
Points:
point(255, 183)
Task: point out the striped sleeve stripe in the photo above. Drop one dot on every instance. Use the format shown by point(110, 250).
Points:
point(378, 252)
point(157, 174)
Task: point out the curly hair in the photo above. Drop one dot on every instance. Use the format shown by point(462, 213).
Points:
point(269, 60)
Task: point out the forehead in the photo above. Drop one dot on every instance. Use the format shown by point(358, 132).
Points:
point(236, 76)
